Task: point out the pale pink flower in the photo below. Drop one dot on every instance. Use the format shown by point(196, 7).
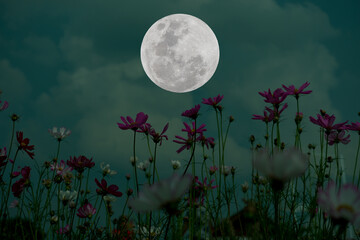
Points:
point(86, 211)
point(281, 166)
point(61, 168)
point(163, 194)
point(342, 203)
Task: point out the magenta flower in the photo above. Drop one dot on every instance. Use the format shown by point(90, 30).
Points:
point(146, 128)
point(266, 118)
point(276, 113)
point(187, 143)
point(201, 189)
point(4, 106)
point(213, 101)
point(129, 123)
point(105, 190)
point(192, 113)
point(192, 131)
point(212, 170)
point(157, 137)
point(354, 127)
point(64, 230)
point(80, 163)
point(291, 90)
point(327, 122)
point(274, 98)
point(86, 211)
point(338, 137)
point(206, 141)
point(24, 144)
point(18, 187)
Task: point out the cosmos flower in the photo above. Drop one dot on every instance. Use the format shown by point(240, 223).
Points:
point(212, 170)
point(80, 163)
point(144, 231)
point(24, 144)
point(162, 195)
point(67, 196)
point(338, 137)
point(291, 90)
point(192, 131)
point(245, 187)
point(4, 106)
point(106, 170)
point(64, 230)
point(201, 188)
point(341, 204)
point(86, 211)
point(133, 160)
point(266, 118)
point(105, 190)
point(281, 166)
point(175, 164)
point(275, 98)
point(14, 203)
point(276, 113)
point(355, 126)
point(18, 187)
point(61, 134)
point(225, 170)
point(327, 122)
point(187, 143)
point(192, 113)
point(145, 128)
point(206, 141)
point(157, 137)
point(213, 101)
point(60, 168)
point(143, 165)
point(129, 123)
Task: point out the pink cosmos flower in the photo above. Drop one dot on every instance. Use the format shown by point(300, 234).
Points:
point(281, 166)
point(212, 170)
point(192, 113)
point(61, 168)
point(4, 106)
point(24, 144)
point(355, 126)
point(187, 143)
point(291, 90)
point(157, 137)
point(129, 123)
point(64, 230)
point(274, 98)
point(341, 204)
point(206, 141)
point(80, 163)
point(18, 187)
point(14, 203)
point(201, 189)
point(145, 128)
point(105, 190)
point(192, 131)
point(338, 137)
point(86, 211)
point(276, 113)
point(162, 195)
point(61, 134)
point(213, 101)
point(327, 122)
point(266, 118)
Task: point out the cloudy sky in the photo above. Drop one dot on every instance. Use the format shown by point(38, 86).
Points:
point(78, 65)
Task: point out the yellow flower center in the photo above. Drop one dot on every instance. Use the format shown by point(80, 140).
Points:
point(345, 207)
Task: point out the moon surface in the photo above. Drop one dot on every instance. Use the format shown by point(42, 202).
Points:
point(180, 53)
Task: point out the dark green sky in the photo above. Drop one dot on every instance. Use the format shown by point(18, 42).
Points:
point(78, 65)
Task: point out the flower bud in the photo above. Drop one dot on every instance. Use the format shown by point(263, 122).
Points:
point(231, 119)
point(252, 139)
point(14, 117)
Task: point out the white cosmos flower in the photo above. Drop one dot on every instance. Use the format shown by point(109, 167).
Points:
point(281, 166)
point(106, 169)
point(61, 134)
point(342, 203)
point(144, 231)
point(143, 165)
point(133, 160)
point(175, 164)
point(162, 194)
point(66, 196)
point(109, 198)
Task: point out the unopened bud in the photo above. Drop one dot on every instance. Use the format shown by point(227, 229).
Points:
point(231, 119)
point(252, 139)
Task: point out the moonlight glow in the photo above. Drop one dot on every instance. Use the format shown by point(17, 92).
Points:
point(179, 53)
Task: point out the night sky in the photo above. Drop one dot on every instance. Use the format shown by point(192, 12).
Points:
point(78, 65)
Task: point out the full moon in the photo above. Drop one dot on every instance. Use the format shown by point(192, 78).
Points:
point(179, 53)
